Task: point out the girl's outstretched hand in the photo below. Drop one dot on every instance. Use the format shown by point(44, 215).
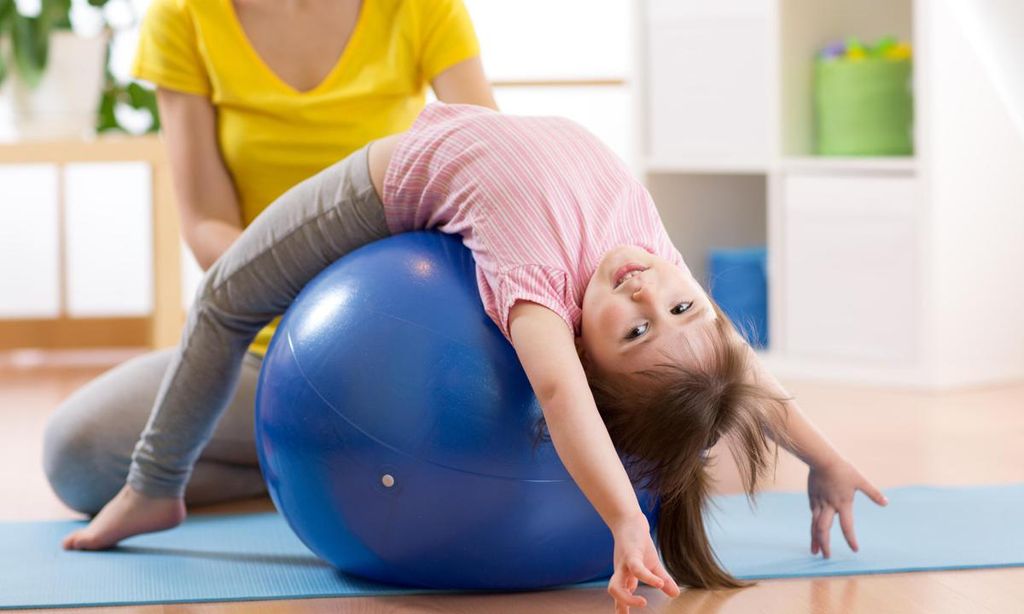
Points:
point(636, 560)
point(830, 489)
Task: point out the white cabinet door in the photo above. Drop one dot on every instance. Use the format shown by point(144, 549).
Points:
point(707, 66)
point(109, 246)
point(29, 247)
point(849, 252)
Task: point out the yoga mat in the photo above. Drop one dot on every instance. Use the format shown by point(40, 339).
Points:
point(256, 556)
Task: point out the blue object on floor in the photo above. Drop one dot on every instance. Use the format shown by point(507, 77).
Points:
point(738, 283)
point(256, 556)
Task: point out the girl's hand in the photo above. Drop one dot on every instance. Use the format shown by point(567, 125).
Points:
point(636, 560)
point(830, 489)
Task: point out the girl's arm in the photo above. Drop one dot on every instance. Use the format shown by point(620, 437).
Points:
point(805, 441)
point(210, 213)
point(832, 480)
point(465, 83)
point(547, 351)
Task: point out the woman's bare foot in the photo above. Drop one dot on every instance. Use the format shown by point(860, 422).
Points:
point(128, 513)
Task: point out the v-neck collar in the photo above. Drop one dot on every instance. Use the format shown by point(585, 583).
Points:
point(339, 65)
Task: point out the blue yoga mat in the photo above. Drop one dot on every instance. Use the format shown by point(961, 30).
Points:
point(256, 556)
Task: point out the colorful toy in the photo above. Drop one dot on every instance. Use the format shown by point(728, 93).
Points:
point(900, 51)
point(853, 50)
point(835, 50)
point(881, 48)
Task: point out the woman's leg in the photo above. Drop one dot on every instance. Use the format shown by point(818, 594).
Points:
point(300, 234)
point(89, 439)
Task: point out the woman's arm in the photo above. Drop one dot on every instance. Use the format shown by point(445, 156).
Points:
point(546, 350)
point(210, 212)
point(465, 83)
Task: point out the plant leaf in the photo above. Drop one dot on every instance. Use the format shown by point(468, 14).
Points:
point(56, 14)
point(106, 120)
point(30, 38)
point(145, 98)
point(6, 11)
point(132, 94)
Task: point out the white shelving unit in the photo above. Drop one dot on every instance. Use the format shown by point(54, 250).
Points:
point(883, 270)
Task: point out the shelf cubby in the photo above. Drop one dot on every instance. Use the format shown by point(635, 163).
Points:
point(887, 270)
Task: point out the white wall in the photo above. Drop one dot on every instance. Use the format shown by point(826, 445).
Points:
point(977, 177)
point(995, 29)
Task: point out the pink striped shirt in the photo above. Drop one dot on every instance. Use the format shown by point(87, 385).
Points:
point(538, 201)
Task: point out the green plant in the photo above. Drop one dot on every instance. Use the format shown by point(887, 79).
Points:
point(28, 38)
point(27, 49)
point(131, 94)
point(116, 92)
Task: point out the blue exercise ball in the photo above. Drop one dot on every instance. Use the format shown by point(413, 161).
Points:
point(396, 431)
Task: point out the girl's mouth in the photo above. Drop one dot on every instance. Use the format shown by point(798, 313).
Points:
point(627, 271)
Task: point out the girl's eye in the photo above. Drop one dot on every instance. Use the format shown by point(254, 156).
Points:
point(636, 331)
point(681, 308)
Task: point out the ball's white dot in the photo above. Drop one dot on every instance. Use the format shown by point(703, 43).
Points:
point(387, 480)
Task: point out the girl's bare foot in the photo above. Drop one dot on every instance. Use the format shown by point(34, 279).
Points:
point(128, 513)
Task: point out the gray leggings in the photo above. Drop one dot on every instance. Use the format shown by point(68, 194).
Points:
point(88, 444)
point(300, 234)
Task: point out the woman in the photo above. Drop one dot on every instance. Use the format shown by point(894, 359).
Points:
point(255, 96)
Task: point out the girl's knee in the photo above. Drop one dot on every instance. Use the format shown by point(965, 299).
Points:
point(228, 310)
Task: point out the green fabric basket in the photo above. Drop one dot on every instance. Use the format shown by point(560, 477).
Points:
point(863, 107)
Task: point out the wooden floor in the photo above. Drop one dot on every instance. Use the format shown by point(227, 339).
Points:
point(895, 437)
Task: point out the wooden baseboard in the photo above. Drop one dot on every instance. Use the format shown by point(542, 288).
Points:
point(75, 333)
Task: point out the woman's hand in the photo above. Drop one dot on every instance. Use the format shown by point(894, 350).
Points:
point(636, 560)
point(830, 489)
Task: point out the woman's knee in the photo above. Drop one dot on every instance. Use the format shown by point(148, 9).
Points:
point(80, 464)
point(89, 438)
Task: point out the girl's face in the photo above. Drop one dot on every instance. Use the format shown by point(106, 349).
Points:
point(638, 310)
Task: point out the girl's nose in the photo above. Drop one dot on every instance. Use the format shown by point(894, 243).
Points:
point(640, 292)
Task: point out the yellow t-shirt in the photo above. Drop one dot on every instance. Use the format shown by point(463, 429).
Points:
point(272, 136)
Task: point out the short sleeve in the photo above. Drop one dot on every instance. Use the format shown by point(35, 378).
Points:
point(447, 36)
point(168, 51)
point(539, 284)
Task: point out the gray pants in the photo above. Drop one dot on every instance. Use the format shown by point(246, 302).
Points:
point(89, 439)
point(300, 234)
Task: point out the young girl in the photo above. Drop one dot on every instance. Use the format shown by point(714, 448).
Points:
point(619, 341)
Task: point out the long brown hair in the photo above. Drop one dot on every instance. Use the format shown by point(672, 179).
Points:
point(664, 420)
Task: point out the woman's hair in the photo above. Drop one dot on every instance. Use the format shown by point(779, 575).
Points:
point(663, 420)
